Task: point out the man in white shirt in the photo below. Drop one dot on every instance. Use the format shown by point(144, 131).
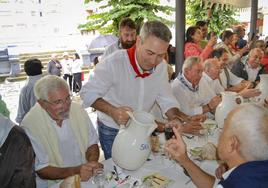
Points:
point(243, 146)
point(63, 137)
point(193, 96)
point(127, 37)
point(133, 79)
point(211, 75)
point(251, 68)
point(230, 81)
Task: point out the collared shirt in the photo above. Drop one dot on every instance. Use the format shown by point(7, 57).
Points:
point(225, 175)
point(68, 146)
point(234, 80)
point(191, 102)
point(112, 48)
point(27, 99)
point(115, 81)
point(214, 85)
point(67, 66)
point(252, 73)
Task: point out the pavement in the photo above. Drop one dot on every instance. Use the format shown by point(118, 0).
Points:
point(10, 94)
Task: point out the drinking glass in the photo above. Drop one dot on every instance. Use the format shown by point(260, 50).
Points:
point(168, 133)
point(99, 178)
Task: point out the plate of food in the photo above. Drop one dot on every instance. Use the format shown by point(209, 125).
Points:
point(156, 180)
point(206, 152)
point(209, 126)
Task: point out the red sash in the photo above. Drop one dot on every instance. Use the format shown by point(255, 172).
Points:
point(131, 55)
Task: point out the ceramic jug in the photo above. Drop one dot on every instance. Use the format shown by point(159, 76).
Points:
point(131, 146)
point(263, 86)
point(227, 104)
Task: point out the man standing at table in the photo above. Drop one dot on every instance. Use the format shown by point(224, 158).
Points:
point(127, 37)
point(133, 79)
point(243, 146)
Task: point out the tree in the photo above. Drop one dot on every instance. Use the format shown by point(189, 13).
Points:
point(115, 10)
point(222, 16)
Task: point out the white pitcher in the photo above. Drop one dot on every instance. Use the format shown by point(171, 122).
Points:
point(227, 104)
point(131, 146)
point(263, 86)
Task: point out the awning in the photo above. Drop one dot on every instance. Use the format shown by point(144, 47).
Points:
point(231, 3)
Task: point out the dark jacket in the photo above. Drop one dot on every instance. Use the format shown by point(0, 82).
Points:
point(239, 70)
point(252, 174)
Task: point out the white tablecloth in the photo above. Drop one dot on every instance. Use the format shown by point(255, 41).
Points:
point(164, 166)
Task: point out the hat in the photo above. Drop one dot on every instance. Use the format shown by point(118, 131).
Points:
point(65, 54)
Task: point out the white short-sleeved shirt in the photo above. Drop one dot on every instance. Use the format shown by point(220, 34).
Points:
point(68, 146)
point(115, 81)
point(234, 80)
point(214, 85)
point(191, 102)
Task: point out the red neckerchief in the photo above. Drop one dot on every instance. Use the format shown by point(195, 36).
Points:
point(131, 55)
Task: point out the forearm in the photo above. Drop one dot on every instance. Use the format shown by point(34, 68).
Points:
point(200, 178)
point(103, 106)
point(54, 173)
point(92, 153)
point(175, 113)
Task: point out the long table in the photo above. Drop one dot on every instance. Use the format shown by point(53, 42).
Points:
point(157, 163)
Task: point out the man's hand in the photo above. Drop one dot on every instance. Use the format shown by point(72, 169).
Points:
point(87, 169)
point(191, 127)
point(247, 93)
point(220, 170)
point(174, 123)
point(198, 118)
point(120, 115)
point(176, 147)
point(214, 102)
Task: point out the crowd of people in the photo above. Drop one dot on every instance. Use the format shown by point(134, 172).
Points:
point(56, 139)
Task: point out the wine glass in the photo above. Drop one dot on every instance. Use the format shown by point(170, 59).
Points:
point(99, 178)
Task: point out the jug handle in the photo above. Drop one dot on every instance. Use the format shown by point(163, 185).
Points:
point(241, 98)
point(152, 129)
point(131, 116)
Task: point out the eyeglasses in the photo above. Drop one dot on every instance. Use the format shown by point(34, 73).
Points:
point(60, 101)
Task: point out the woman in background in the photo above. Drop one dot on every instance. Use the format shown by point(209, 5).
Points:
point(77, 73)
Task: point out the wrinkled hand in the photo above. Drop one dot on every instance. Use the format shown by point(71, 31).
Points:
point(87, 169)
point(245, 84)
point(220, 170)
point(175, 148)
point(120, 115)
point(192, 127)
point(212, 41)
point(198, 118)
point(174, 123)
point(214, 102)
point(247, 93)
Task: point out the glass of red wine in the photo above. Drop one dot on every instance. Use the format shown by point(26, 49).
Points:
point(168, 133)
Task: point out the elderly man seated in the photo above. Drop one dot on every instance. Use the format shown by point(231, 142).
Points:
point(243, 146)
point(250, 69)
point(194, 97)
point(211, 75)
point(62, 135)
point(16, 156)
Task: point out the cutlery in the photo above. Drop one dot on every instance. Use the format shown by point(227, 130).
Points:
point(116, 173)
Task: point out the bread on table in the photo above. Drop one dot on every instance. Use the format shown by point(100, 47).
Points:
point(71, 182)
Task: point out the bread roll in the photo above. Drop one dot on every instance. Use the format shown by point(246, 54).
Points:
point(209, 152)
point(71, 182)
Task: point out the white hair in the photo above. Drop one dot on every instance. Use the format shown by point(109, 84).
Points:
point(189, 62)
point(48, 84)
point(249, 123)
point(208, 63)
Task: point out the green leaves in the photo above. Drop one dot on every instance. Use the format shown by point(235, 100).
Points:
point(115, 10)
